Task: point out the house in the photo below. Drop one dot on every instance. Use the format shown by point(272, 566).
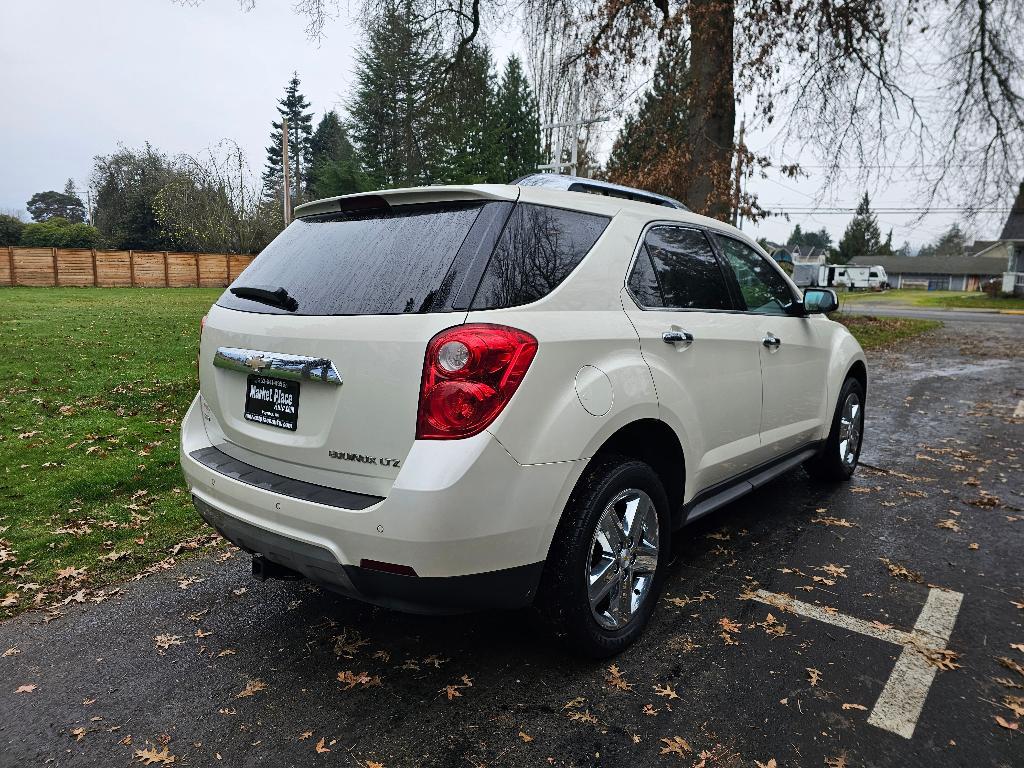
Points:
point(985, 260)
point(938, 273)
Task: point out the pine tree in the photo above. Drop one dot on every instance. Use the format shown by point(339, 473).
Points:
point(334, 167)
point(862, 236)
point(292, 107)
point(392, 114)
point(659, 125)
point(518, 121)
point(465, 121)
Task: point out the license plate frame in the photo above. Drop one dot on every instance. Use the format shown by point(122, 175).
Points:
point(272, 401)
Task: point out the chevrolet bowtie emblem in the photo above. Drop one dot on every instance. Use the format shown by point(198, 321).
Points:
point(256, 362)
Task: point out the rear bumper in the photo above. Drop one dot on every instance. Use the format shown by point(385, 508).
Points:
point(470, 521)
point(494, 590)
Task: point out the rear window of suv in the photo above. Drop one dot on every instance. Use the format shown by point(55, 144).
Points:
point(371, 262)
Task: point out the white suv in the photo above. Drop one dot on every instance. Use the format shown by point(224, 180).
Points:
point(455, 398)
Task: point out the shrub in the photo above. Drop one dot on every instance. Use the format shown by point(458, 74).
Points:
point(10, 229)
point(57, 232)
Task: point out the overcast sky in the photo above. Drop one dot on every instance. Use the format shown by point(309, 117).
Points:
point(82, 76)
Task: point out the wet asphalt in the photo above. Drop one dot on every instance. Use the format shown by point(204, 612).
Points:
point(942, 443)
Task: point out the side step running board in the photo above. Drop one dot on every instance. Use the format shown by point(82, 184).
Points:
point(733, 491)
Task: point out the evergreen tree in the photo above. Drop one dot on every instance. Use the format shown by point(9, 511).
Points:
point(518, 124)
point(392, 114)
point(659, 125)
point(334, 167)
point(819, 239)
point(294, 108)
point(862, 236)
point(952, 242)
point(465, 122)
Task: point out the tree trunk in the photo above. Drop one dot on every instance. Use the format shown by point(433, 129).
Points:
point(712, 114)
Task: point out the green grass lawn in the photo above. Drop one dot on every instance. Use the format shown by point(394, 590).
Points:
point(881, 331)
point(94, 385)
point(941, 299)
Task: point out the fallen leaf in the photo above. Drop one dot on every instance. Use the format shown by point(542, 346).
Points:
point(836, 762)
point(70, 573)
point(1015, 704)
point(677, 745)
point(770, 764)
point(452, 691)
point(666, 690)
point(305, 735)
point(352, 680)
point(854, 706)
point(950, 524)
point(78, 733)
point(26, 688)
point(149, 756)
point(1015, 646)
point(12, 651)
point(251, 688)
point(166, 641)
point(942, 659)
point(320, 748)
point(527, 738)
point(1013, 725)
point(838, 522)
point(583, 717)
point(649, 710)
point(1011, 664)
point(616, 680)
point(813, 675)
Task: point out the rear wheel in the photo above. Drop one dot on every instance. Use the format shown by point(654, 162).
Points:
point(839, 456)
point(608, 558)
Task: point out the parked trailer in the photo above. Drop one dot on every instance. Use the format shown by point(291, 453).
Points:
point(852, 278)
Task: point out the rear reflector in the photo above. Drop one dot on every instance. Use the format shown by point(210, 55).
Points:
point(377, 565)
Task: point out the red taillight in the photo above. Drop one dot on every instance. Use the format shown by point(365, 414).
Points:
point(469, 374)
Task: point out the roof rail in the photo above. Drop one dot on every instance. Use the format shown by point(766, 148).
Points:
point(595, 187)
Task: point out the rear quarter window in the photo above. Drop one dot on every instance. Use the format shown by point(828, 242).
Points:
point(538, 249)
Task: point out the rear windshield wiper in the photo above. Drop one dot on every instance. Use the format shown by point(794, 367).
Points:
point(275, 297)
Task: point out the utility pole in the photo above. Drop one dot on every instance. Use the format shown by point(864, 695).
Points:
point(556, 163)
point(736, 218)
point(284, 167)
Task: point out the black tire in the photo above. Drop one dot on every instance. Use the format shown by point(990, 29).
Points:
point(564, 593)
point(829, 465)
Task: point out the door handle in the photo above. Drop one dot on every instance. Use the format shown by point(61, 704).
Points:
point(677, 337)
point(771, 340)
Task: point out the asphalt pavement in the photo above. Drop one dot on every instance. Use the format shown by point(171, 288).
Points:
point(871, 623)
point(946, 315)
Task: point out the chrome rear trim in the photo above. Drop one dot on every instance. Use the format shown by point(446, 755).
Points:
point(277, 364)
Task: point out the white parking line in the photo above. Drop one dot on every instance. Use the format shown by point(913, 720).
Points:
point(899, 706)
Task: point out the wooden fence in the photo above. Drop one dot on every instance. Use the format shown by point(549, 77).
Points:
point(108, 269)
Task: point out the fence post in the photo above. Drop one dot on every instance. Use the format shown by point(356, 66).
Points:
point(131, 266)
point(10, 258)
point(167, 281)
point(199, 282)
point(95, 271)
point(54, 252)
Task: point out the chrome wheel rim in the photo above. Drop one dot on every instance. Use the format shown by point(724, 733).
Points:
point(623, 558)
point(851, 423)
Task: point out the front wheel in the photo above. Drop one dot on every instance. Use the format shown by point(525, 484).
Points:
point(608, 558)
point(839, 456)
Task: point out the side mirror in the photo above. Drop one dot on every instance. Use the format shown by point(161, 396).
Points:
point(820, 300)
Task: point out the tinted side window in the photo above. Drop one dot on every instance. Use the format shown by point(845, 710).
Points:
point(643, 283)
point(764, 290)
point(538, 249)
point(687, 271)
